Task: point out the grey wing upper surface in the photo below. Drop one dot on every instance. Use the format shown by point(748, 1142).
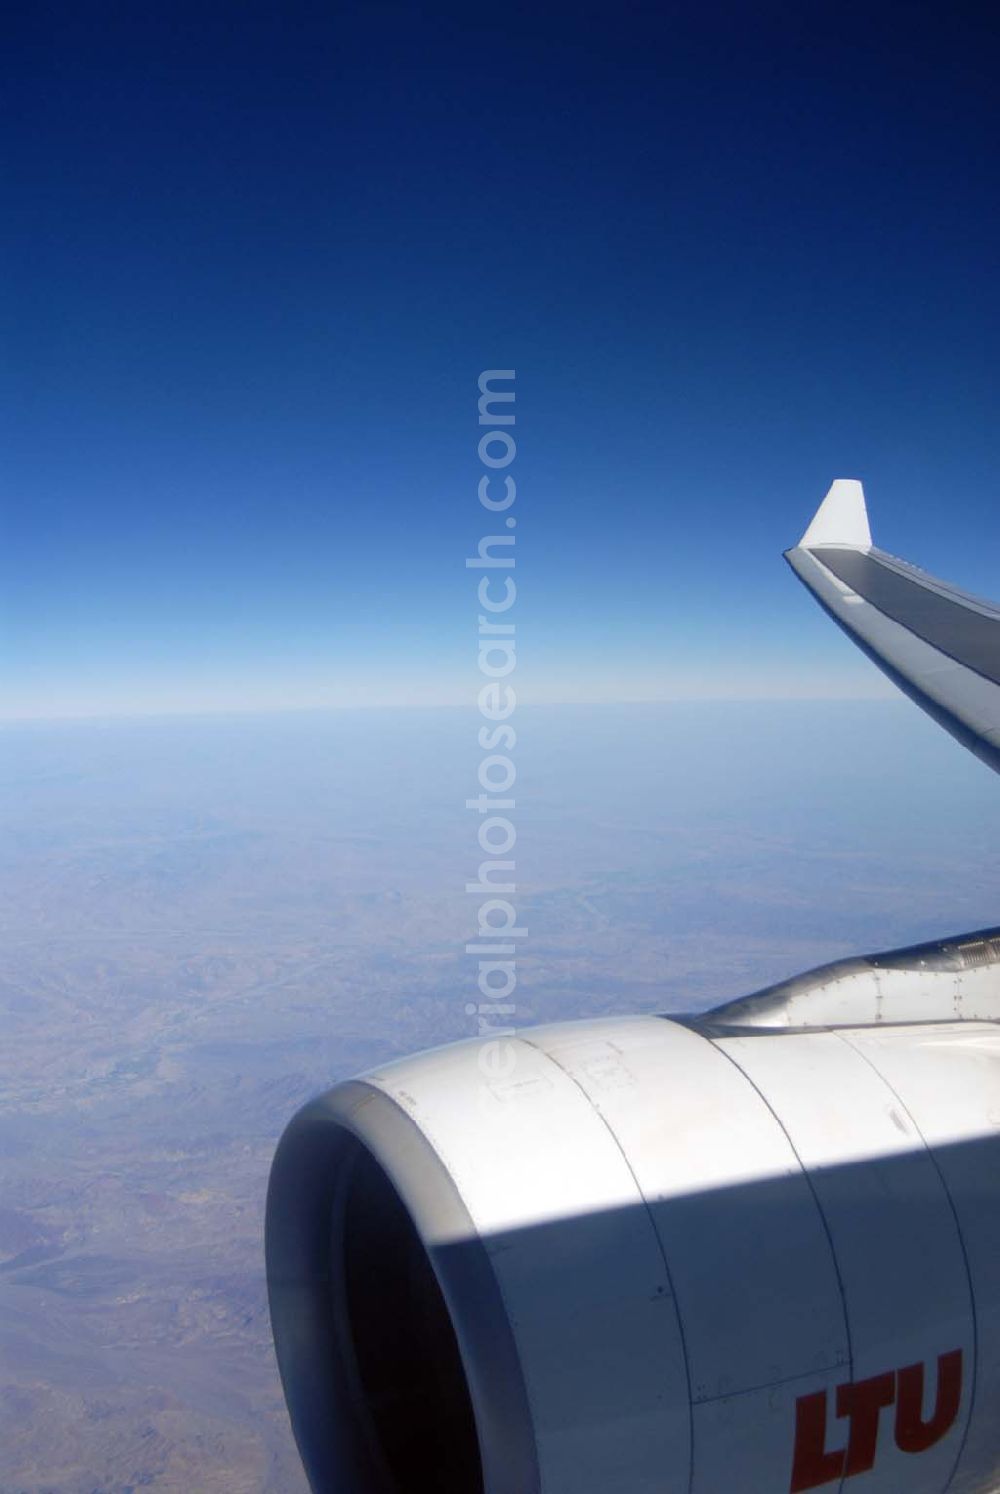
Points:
point(938, 644)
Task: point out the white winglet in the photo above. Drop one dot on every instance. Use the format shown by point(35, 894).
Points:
point(841, 518)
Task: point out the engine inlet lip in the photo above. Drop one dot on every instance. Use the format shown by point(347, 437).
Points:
point(306, 1180)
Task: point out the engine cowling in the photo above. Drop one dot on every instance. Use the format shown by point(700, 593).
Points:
point(638, 1255)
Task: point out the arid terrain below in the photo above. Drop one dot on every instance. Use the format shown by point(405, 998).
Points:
point(205, 921)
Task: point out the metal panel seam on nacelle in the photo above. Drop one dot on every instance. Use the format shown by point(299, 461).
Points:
point(576, 1258)
point(759, 1302)
point(889, 1216)
point(948, 1076)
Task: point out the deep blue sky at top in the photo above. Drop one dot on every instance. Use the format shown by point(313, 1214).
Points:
point(257, 255)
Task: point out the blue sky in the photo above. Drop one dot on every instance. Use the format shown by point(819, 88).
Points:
point(260, 254)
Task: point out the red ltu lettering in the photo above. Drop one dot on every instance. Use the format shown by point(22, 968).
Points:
point(861, 1403)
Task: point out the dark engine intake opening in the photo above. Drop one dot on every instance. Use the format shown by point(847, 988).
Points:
point(395, 1328)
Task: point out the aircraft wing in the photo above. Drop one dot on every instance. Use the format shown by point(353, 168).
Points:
point(938, 644)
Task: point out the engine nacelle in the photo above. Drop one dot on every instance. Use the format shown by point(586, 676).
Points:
point(647, 1256)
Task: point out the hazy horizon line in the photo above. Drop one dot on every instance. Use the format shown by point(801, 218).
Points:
point(218, 713)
